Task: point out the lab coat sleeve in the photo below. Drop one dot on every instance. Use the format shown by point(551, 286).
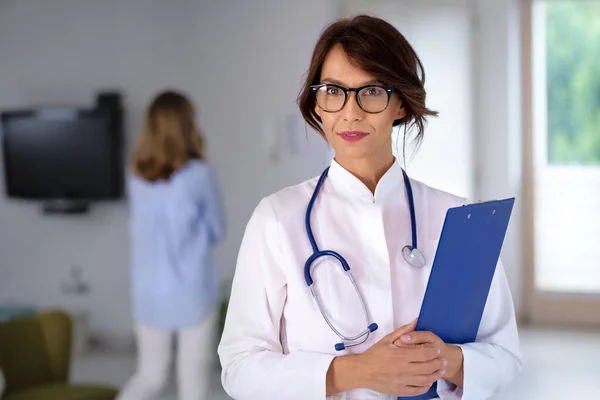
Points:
point(494, 359)
point(254, 364)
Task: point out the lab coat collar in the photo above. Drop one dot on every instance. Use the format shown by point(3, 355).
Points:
point(349, 185)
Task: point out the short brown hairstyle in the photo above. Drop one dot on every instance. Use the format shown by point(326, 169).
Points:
point(377, 48)
point(169, 138)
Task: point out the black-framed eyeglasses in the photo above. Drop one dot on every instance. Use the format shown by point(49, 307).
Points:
point(371, 98)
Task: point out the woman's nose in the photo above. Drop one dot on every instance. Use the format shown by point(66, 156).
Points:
point(352, 110)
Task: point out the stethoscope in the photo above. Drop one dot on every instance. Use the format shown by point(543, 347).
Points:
point(411, 254)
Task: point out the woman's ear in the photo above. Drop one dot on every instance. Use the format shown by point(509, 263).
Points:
point(401, 112)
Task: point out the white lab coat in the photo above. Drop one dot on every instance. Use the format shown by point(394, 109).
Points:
point(276, 345)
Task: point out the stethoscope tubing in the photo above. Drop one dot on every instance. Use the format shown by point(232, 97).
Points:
point(371, 327)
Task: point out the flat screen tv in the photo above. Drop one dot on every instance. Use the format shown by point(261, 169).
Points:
point(65, 157)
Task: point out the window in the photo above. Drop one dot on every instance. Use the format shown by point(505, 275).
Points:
point(566, 119)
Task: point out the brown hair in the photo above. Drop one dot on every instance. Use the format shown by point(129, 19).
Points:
point(169, 138)
point(379, 49)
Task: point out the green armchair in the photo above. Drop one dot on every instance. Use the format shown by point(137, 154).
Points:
point(35, 354)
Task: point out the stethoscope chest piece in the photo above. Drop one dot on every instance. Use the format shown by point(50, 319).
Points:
point(413, 257)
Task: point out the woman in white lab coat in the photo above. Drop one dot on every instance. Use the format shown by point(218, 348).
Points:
point(276, 342)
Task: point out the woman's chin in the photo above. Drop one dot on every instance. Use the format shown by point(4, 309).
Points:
point(354, 153)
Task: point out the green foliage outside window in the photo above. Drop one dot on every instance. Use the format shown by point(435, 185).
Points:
point(573, 81)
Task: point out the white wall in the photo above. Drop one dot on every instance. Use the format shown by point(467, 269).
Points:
point(241, 61)
point(498, 122)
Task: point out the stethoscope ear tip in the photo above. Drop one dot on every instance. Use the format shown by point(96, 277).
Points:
point(373, 327)
point(340, 346)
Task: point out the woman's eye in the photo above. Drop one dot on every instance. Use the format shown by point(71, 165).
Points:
point(373, 91)
point(333, 91)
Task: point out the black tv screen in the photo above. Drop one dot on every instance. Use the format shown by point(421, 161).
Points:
point(61, 154)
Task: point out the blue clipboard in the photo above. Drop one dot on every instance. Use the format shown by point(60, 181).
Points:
point(462, 271)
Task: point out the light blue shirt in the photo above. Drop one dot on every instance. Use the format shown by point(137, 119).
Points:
point(173, 225)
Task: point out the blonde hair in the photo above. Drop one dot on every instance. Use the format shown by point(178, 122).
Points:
point(169, 139)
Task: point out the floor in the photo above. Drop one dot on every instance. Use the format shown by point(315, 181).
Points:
point(116, 369)
point(559, 365)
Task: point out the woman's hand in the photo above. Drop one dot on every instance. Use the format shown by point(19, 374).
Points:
point(451, 353)
point(402, 370)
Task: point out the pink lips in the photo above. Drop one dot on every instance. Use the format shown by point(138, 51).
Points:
point(352, 136)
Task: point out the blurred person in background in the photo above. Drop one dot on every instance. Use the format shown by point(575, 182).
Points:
point(175, 219)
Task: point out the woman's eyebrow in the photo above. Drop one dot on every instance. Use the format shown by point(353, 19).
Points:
point(340, 83)
point(334, 81)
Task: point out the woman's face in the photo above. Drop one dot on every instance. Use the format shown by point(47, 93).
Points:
point(352, 132)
